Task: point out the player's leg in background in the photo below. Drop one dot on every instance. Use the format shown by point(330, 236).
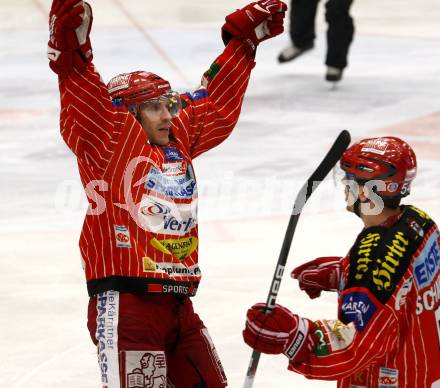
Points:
point(130, 332)
point(194, 362)
point(302, 22)
point(339, 36)
point(301, 29)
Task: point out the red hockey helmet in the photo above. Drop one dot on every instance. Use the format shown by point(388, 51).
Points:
point(389, 159)
point(132, 89)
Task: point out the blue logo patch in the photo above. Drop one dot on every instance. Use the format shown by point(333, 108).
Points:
point(358, 308)
point(117, 103)
point(172, 154)
point(427, 263)
point(180, 186)
point(197, 94)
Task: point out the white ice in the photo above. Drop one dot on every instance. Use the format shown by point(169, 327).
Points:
point(247, 185)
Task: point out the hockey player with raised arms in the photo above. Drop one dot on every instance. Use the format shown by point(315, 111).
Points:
point(387, 333)
point(134, 140)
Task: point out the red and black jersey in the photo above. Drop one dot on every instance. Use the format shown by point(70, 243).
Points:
point(388, 331)
point(140, 232)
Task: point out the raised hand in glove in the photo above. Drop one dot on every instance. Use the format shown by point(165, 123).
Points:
point(69, 47)
point(254, 23)
point(321, 274)
point(281, 331)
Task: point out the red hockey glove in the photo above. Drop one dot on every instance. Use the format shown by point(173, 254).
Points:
point(254, 23)
point(69, 45)
point(279, 332)
point(321, 274)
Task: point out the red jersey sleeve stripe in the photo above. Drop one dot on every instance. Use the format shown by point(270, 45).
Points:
point(363, 349)
point(86, 104)
point(210, 120)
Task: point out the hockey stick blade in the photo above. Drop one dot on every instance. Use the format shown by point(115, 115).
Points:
point(333, 155)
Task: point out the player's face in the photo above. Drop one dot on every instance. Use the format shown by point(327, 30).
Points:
point(352, 191)
point(156, 120)
point(155, 117)
point(349, 199)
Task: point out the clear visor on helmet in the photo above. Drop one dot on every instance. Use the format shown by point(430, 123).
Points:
point(155, 107)
point(339, 177)
point(344, 181)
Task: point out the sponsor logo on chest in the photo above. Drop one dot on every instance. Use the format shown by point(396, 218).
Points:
point(172, 154)
point(158, 215)
point(364, 260)
point(170, 182)
point(174, 169)
point(402, 293)
point(180, 248)
point(388, 378)
point(122, 236)
point(171, 269)
point(429, 299)
point(387, 266)
point(427, 263)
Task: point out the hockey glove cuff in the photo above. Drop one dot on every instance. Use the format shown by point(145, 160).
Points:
point(281, 331)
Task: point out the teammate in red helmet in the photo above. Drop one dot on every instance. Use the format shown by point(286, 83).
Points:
point(135, 140)
point(387, 333)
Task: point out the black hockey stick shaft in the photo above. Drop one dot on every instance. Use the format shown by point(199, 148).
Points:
point(333, 155)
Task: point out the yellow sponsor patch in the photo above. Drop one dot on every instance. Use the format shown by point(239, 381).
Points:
point(180, 248)
point(149, 264)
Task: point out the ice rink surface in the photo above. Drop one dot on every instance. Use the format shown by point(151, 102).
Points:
point(247, 185)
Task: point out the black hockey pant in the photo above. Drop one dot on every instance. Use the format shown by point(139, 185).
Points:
point(339, 33)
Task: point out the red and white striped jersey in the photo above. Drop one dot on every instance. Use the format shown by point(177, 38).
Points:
point(388, 332)
point(140, 232)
